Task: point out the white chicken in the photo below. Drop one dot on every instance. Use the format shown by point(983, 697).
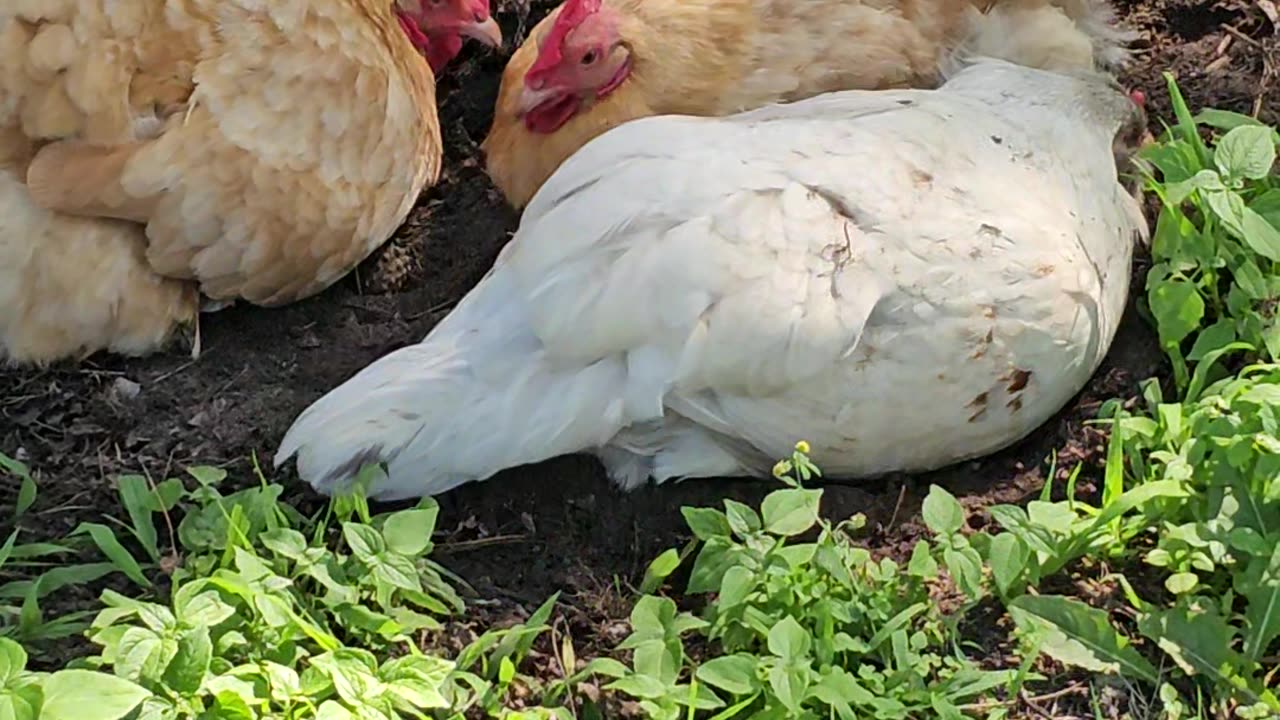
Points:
point(904, 279)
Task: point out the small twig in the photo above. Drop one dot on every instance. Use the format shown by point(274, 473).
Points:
point(175, 371)
point(446, 305)
point(168, 521)
point(893, 519)
point(1034, 704)
point(1072, 689)
point(468, 545)
point(1223, 45)
point(1240, 36)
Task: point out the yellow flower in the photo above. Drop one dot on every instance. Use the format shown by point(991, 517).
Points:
point(802, 447)
point(782, 468)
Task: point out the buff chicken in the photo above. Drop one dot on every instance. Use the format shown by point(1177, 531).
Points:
point(156, 151)
point(689, 296)
point(594, 64)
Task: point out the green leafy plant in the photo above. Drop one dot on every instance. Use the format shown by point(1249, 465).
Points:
point(1217, 238)
point(1191, 487)
point(805, 629)
point(267, 614)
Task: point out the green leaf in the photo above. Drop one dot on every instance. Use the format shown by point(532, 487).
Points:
point(364, 541)
point(713, 561)
point(789, 684)
point(1263, 613)
point(1181, 583)
point(13, 660)
point(1079, 635)
point(106, 541)
point(285, 542)
point(206, 610)
point(1186, 127)
point(397, 570)
point(1211, 338)
point(652, 614)
point(1225, 119)
point(1259, 234)
point(140, 655)
point(135, 495)
point(207, 476)
point(1246, 151)
point(640, 686)
point(26, 496)
point(408, 532)
point(737, 584)
point(6, 550)
point(352, 678)
point(1178, 309)
point(706, 523)
point(87, 695)
point(1267, 205)
point(332, 710)
point(788, 640)
point(735, 674)
point(275, 611)
point(659, 659)
point(922, 564)
point(1008, 559)
point(965, 567)
point(1205, 180)
point(27, 491)
point(187, 669)
point(942, 512)
point(606, 666)
point(15, 707)
point(284, 681)
point(1198, 640)
point(742, 519)
point(228, 705)
point(658, 570)
point(790, 512)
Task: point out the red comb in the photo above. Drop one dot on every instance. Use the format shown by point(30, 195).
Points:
point(572, 13)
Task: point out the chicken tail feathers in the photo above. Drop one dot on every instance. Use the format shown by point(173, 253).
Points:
point(78, 178)
point(1055, 35)
point(478, 395)
point(1099, 20)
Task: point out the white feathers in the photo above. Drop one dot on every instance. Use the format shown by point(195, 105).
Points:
point(904, 279)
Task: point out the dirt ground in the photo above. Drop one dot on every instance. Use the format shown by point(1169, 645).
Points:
point(558, 525)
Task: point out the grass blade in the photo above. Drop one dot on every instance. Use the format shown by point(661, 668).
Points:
point(106, 541)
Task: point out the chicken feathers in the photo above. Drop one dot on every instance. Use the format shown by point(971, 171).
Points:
point(717, 57)
point(263, 148)
point(688, 296)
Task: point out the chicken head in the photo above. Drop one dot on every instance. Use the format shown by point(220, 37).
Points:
point(582, 58)
point(438, 27)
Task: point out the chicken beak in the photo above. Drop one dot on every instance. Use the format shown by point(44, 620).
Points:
point(530, 98)
point(486, 32)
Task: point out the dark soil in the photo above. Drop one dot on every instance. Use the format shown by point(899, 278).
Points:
point(559, 525)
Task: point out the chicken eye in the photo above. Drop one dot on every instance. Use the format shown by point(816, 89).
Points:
point(589, 57)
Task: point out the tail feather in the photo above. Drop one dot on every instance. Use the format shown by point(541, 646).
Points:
point(476, 396)
point(1099, 20)
point(1054, 35)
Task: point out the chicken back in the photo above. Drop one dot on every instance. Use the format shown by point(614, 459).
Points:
point(904, 279)
point(250, 150)
point(592, 65)
point(308, 131)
